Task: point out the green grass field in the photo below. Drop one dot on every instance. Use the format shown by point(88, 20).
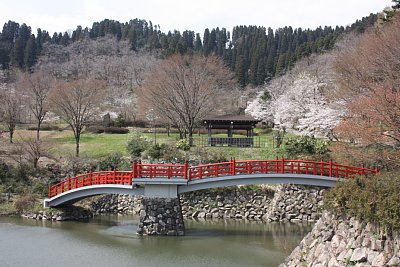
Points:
point(101, 145)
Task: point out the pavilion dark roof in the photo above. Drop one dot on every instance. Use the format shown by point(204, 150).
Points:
point(229, 118)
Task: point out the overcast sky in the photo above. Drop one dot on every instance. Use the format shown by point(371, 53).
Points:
point(60, 16)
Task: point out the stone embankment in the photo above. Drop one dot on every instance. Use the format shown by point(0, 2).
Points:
point(116, 204)
point(70, 213)
point(337, 241)
point(279, 203)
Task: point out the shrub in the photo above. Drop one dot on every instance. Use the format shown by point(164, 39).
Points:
point(306, 145)
point(116, 130)
point(156, 151)
point(183, 144)
point(120, 120)
point(113, 161)
point(25, 202)
point(137, 143)
point(101, 129)
point(266, 96)
point(373, 199)
point(45, 127)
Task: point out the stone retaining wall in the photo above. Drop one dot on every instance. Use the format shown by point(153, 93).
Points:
point(116, 204)
point(269, 203)
point(296, 203)
point(69, 213)
point(337, 241)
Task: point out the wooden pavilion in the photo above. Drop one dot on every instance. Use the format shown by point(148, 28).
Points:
point(231, 123)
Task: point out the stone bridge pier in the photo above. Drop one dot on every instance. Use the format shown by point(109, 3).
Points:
point(161, 211)
point(161, 216)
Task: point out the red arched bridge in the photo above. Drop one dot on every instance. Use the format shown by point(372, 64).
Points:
point(169, 180)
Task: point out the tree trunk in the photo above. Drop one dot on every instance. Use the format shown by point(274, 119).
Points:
point(38, 131)
point(190, 134)
point(77, 139)
point(11, 135)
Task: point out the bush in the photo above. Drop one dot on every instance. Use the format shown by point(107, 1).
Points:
point(110, 130)
point(120, 121)
point(137, 144)
point(183, 144)
point(306, 145)
point(373, 199)
point(45, 127)
point(156, 151)
point(113, 161)
point(25, 202)
point(116, 130)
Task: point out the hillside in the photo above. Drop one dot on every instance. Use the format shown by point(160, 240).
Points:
point(255, 54)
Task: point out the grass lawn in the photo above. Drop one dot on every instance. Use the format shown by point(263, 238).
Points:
point(100, 145)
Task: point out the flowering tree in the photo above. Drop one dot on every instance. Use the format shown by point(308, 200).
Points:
point(298, 101)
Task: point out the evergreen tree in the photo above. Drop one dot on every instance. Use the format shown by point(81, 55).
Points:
point(18, 52)
point(206, 41)
point(30, 53)
point(198, 46)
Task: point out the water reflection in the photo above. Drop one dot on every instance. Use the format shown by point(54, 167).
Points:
point(112, 240)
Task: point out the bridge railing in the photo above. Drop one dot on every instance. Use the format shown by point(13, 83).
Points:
point(233, 167)
point(92, 178)
point(160, 170)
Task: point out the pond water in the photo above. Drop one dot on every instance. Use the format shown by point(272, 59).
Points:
point(112, 240)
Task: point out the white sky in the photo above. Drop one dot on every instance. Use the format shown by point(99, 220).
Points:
point(60, 16)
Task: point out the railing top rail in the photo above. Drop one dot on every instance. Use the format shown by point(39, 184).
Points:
point(184, 171)
point(209, 164)
point(161, 165)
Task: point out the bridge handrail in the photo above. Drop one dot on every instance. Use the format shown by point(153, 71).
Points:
point(233, 167)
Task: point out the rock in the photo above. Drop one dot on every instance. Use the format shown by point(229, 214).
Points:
point(394, 261)
point(379, 261)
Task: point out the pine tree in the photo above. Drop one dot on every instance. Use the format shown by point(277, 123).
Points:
point(198, 46)
point(30, 53)
point(206, 41)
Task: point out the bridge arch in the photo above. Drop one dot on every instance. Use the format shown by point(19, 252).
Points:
point(253, 179)
point(76, 194)
point(169, 180)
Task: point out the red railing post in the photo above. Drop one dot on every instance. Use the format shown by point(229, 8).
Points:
point(139, 169)
point(186, 171)
point(283, 165)
point(114, 177)
point(91, 177)
point(322, 168)
point(233, 167)
point(330, 168)
point(134, 166)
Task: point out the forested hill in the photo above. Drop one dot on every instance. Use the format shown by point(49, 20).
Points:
point(254, 54)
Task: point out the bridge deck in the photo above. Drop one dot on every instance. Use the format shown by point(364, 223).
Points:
point(248, 171)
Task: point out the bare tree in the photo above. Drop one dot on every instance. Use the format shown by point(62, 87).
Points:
point(369, 79)
point(184, 89)
point(10, 109)
point(37, 87)
point(76, 103)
